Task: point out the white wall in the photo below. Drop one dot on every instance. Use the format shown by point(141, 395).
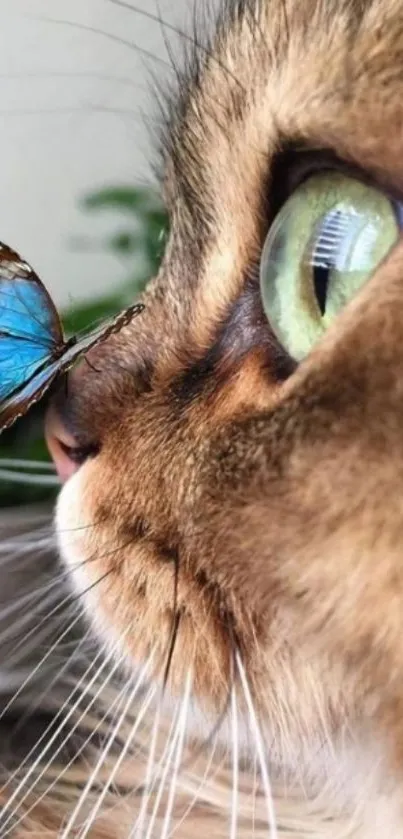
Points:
point(70, 121)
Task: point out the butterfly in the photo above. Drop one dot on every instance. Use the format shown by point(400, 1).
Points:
point(33, 349)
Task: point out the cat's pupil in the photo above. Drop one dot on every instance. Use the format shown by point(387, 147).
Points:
point(320, 282)
point(327, 252)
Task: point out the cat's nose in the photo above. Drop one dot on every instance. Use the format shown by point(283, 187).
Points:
point(61, 444)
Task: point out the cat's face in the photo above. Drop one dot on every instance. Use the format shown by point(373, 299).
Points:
point(235, 506)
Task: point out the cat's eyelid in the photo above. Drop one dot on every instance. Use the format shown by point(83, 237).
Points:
point(295, 163)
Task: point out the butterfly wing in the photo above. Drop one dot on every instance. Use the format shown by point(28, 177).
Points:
point(15, 406)
point(20, 359)
point(18, 403)
point(30, 329)
point(26, 308)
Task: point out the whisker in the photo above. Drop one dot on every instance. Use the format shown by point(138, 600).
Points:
point(28, 540)
point(138, 828)
point(254, 796)
point(183, 35)
point(57, 611)
point(176, 615)
point(33, 672)
point(49, 652)
point(77, 109)
point(62, 672)
point(137, 685)
point(196, 793)
point(167, 758)
point(150, 781)
point(22, 559)
point(12, 548)
point(73, 74)
point(178, 757)
point(16, 663)
point(119, 761)
point(81, 526)
point(37, 601)
point(259, 747)
point(79, 751)
point(235, 764)
point(75, 706)
point(92, 777)
point(108, 35)
point(48, 745)
point(71, 599)
point(26, 599)
point(9, 606)
point(197, 751)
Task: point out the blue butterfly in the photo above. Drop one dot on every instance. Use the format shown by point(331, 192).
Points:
point(33, 350)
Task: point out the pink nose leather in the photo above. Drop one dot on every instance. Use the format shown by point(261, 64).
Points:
point(59, 442)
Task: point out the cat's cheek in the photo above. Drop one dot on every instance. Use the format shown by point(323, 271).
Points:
point(73, 530)
point(67, 522)
point(78, 548)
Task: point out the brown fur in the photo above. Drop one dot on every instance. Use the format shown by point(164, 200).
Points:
point(259, 507)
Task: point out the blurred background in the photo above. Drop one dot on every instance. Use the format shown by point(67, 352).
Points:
point(78, 200)
point(76, 114)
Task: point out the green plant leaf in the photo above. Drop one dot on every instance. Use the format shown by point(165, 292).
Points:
point(125, 198)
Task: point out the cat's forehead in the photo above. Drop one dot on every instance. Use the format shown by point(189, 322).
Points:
point(271, 74)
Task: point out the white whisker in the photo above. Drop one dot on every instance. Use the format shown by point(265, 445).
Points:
point(259, 747)
point(149, 786)
point(68, 600)
point(119, 716)
point(254, 796)
point(196, 793)
point(119, 761)
point(42, 641)
point(104, 752)
point(179, 752)
point(62, 671)
point(24, 600)
point(77, 754)
point(53, 739)
point(139, 826)
point(167, 759)
point(40, 664)
point(235, 764)
point(13, 548)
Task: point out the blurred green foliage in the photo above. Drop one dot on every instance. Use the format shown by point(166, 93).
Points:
point(139, 241)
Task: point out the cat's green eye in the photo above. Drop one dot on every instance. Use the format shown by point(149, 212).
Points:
point(324, 244)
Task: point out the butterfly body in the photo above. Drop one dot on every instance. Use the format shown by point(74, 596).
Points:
point(33, 349)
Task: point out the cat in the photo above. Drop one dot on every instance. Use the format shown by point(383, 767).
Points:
point(231, 515)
